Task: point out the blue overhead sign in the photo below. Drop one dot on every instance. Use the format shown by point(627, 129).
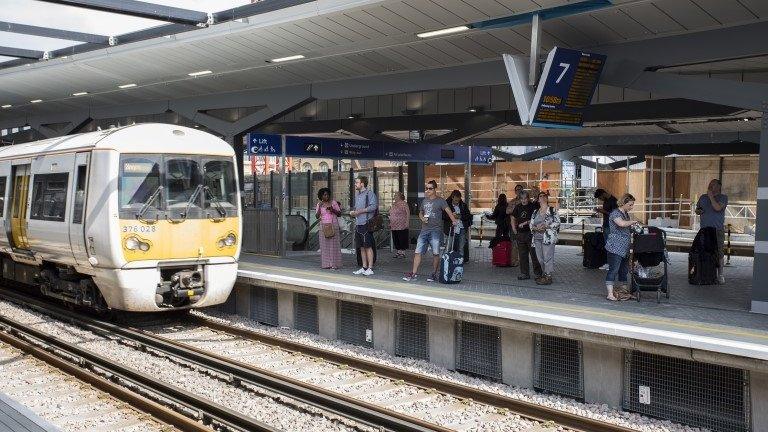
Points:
point(566, 87)
point(482, 155)
point(264, 145)
point(334, 148)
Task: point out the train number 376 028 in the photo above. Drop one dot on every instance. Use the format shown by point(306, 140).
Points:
point(139, 229)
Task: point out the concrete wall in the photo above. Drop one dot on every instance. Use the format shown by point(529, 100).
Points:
point(603, 366)
point(326, 317)
point(285, 316)
point(442, 342)
point(517, 357)
point(384, 329)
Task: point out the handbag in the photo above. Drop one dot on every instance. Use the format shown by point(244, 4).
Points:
point(376, 221)
point(328, 231)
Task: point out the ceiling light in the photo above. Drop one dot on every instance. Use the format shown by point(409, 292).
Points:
point(80, 94)
point(199, 73)
point(6, 106)
point(125, 86)
point(442, 32)
point(285, 59)
point(354, 116)
point(36, 100)
point(746, 119)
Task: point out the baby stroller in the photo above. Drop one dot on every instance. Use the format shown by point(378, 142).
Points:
point(648, 262)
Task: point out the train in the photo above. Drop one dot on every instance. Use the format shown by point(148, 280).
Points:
point(140, 218)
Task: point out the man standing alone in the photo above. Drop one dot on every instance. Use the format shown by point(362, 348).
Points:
point(431, 230)
point(711, 208)
point(366, 206)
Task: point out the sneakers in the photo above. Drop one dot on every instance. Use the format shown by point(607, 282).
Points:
point(359, 272)
point(544, 280)
point(432, 277)
point(368, 272)
point(410, 276)
point(721, 279)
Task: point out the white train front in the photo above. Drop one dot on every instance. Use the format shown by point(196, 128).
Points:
point(139, 218)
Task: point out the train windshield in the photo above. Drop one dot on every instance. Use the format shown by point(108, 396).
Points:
point(180, 186)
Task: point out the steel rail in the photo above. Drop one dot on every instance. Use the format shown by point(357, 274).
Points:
point(137, 401)
point(359, 411)
point(209, 411)
point(525, 409)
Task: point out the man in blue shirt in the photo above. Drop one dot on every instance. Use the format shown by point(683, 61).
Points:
point(711, 209)
point(366, 206)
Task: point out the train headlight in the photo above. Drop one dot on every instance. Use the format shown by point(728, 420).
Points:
point(132, 243)
point(230, 239)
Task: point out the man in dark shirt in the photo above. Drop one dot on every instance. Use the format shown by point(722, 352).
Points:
point(521, 228)
point(610, 203)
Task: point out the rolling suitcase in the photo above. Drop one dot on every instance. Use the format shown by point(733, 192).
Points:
point(451, 262)
point(595, 255)
point(702, 258)
point(502, 253)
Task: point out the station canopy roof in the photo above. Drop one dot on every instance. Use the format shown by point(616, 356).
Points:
point(75, 54)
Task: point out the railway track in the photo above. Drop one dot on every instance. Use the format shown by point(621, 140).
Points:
point(290, 358)
point(354, 412)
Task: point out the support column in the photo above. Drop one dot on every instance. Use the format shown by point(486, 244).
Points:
point(760, 278)
point(384, 329)
point(326, 317)
point(239, 147)
point(416, 180)
point(517, 358)
point(603, 367)
point(442, 342)
point(285, 316)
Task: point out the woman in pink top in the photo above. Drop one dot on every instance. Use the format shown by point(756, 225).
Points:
point(328, 211)
point(399, 219)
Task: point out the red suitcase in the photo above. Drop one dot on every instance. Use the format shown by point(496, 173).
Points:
point(502, 253)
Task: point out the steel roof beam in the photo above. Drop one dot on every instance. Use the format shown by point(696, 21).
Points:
point(21, 53)
point(560, 144)
point(53, 33)
point(140, 9)
point(252, 9)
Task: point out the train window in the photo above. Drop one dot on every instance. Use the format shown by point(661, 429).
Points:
point(220, 180)
point(49, 197)
point(182, 183)
point(139, 182)
point(3, 181)
point(77, 212)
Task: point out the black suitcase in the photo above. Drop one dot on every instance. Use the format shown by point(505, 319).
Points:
point(595, 255)
point(702, 268)
point(451, 262)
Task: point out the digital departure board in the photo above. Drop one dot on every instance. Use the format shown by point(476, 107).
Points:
point(567, 83)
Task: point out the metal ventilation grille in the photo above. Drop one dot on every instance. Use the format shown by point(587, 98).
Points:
point(305, 313)
point(478, 349)
point(229, 307)
point(412, 335)
point(557, 366)
point(264, 305)
point(693, 393)
point(355, 323)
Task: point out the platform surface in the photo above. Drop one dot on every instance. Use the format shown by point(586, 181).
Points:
point(18, 418)
point(713, 318)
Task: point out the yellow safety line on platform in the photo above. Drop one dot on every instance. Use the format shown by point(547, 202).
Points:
point(628, 316)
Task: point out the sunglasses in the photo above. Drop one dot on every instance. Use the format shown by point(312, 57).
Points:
point(430, 188)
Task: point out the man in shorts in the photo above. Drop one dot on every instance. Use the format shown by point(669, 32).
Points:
point(711, 209)
point(366, 206)
point(431, 230)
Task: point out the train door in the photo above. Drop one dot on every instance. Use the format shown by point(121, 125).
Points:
point(79, 194)
point(19, 205)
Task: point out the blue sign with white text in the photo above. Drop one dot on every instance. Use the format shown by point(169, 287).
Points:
point(264, 145)
point(335, 148)
point(566, 87)
point(482, 155)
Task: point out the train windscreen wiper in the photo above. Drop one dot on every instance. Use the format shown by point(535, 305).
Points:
point(215, 201)
point(191, 200)
point(145, 207)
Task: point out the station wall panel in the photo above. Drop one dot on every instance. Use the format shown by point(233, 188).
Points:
point(412, 335)
point(478, 349)
point(305, 312)
point(355, 323)
point(558, 366)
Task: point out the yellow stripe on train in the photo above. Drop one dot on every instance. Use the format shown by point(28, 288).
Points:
point(163, 240)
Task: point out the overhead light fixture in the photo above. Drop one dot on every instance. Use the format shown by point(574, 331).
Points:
point(285, 59)
point(80, 94)
point(36, 101)
point(125, 86)
point(474, 109)
point(354, 116)
point(443, 32)
point(6, 106)
point(199, 73)
point(746, 119)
